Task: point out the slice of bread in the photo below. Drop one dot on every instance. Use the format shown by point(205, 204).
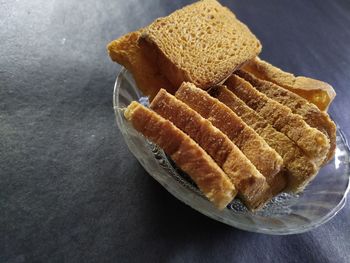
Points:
point(300, 169)
point(202, 43)
point(313, 142)
point(251, 185)
point(186, 154)
point(317, 92)
point(265, 159)
point(310, 113)
point(127, 52)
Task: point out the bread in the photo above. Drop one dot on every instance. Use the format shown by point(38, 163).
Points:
point(265, 159)
point(202, 43)
point(126, 51)
point(300, 169)
point(186, 154)
point(317, 92)
point(267, 132)
point(310, 113)
point(313, 142)
point(251, 185)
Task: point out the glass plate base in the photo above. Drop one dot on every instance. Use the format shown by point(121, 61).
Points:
point(284, 214)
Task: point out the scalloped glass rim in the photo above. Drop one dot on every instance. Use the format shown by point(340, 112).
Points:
point(284, 214)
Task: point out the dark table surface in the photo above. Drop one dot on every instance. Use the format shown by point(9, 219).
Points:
point(70, 190)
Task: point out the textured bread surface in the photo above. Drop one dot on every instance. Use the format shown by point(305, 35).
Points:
point(300, 170)
point(310, 113)
point(247, 179)
point(186, 154)
point(127, 52)
point(202, 43)
point(317, 92)
point(265, 159)
point(313, 142)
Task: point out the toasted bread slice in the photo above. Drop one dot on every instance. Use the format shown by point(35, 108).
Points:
point(126, 51)
point(265, 159)
point(310, 113)
point(207, 50)
point(317, 92)
point(300, 169)
point(313, 142)
point(186, 154)
point(251, 185)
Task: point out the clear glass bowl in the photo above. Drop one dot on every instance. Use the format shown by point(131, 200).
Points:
point(284, 214)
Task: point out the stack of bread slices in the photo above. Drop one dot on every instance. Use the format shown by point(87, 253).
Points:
point(237, 125)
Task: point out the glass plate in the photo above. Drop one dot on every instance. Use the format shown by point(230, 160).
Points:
point(284, 214)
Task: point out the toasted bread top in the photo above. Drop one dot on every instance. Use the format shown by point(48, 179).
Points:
point(266, 159)
point(187, 154)
point(313, 142)
point(205, 51)
point(311, 114)
point(251, 185)
point(317, 92)
point(300, 169)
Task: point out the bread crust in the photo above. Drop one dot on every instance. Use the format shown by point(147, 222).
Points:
point(300, 170)
point(317, 92)
point(310, 113)
point(251, 185)
point(265, 159)
point(127, 52)
point(186, 154)
point(313, 142)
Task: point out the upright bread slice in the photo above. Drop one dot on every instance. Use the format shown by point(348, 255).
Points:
point(317, 92)
point(300, 169)
point(202, 43)
point(313, 142)
point(251, 185)
point(265, 159)
point(187, 154)
point(127, 52)
point(310, 113)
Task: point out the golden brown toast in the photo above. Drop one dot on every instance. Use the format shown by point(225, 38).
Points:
point(313, 142)
point(186, 154)
point(317, 92)
point(207, 50)
point(127, 52)
point(310, 113)
point(251, 185)
point(265, 159)
point(300, 169)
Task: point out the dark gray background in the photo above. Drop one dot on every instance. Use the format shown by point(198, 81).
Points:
point(70, 191)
